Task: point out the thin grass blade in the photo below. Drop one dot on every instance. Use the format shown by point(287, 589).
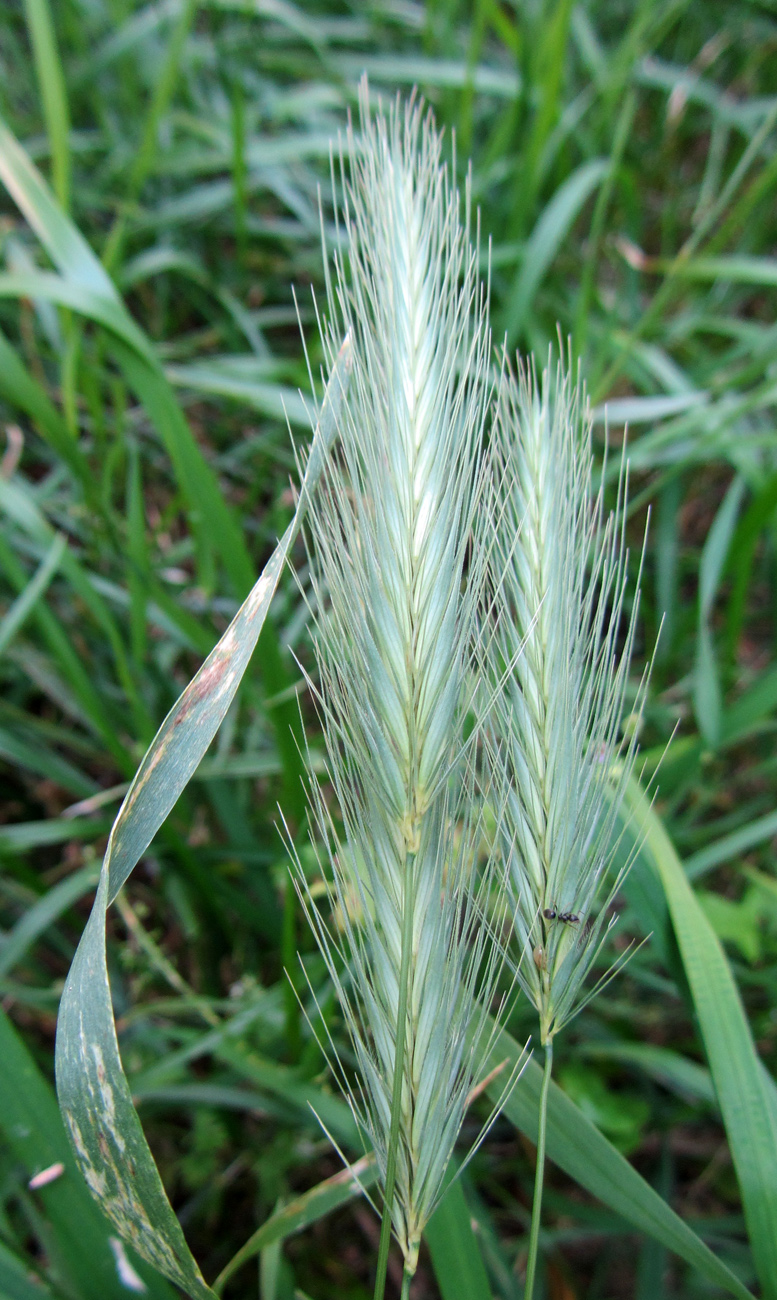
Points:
point(31, 1127)
point(577, 1147)
point(25, 602)
point(747, 1101)
point(301, 1212)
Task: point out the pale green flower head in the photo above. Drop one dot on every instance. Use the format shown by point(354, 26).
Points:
point(396, 594)
point(563, 648)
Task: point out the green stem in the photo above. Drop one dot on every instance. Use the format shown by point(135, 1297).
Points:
point(289, 955)
point(536, 1213)
point(406, 1280)
point(396, 1092)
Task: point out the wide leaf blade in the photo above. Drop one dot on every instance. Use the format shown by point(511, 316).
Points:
point(453, 1246)
point(94, 1094)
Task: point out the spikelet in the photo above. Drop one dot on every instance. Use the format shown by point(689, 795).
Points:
point(396, 596)
point(561, 567)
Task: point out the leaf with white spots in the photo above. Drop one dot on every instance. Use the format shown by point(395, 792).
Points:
point(94, 1095)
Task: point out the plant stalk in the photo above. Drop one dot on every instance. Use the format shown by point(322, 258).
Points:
point(396, 1092)
point(539, 1176)
point(406, 1280)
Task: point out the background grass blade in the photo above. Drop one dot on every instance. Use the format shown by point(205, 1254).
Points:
point(31, 1126)
point(86, 287)
point(17, 1282)
point(746, 1099)
point(53, 94)
point(25, 393)
point(41, 915)
point(544, 241)
point(577, 1146)
point(707, 694)
point(453, 1246)
point(302, 1212)
point(25, 602)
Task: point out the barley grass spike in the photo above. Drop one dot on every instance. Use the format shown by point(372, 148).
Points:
point(396, 595)
point(563, 641)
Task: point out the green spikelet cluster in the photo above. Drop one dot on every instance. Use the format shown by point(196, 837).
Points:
point(560, 568)
point(396, 597)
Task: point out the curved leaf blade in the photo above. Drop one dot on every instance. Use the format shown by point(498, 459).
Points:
point(94, 1095)
point(65, 245)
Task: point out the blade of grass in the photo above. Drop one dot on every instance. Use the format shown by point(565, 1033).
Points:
point(39, 758)
point(15, 617)
point(52, 89)
point(85, 690)
point(453, 1246)
point(85, 286)
point(741, 719)
point(549, 40)
point(623, 127)
point(20, 837)
point(577, 1147)
point(755, 521)
point(746, 1101)
point(19, 388)
point(707, 691)
point(138, 567)
point(546, 238)
point(42, 914)
point(78, 1237)
point(106, 1133)
point(164, 87)
point(51, 84)
point(302, 1212)
point(17, 1281)
point(17, 500)
point(672, 283)
point(687, 1078)
point(736, 269)
point(731, 846)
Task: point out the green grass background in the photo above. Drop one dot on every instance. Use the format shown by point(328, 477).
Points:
point(624, 165)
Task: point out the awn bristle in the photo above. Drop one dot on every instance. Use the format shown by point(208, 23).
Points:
point(396, 592)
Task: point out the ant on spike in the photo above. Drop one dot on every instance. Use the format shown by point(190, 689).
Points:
point(569, 918)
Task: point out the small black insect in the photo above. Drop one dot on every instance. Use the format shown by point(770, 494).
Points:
point(569, 918)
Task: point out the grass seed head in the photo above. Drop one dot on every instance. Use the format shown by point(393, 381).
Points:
point(395, 594)
point(562, 649)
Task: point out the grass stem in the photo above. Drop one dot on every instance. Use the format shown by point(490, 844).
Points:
point(406, 1280)
point(539, 1177)
point(396, 1093)
point(289, 957)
